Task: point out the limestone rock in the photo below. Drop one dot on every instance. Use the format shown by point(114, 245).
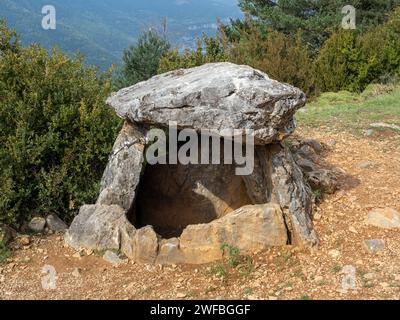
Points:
point(146, 245)
point(307, 152)
point(24, 240)
point(366, 164)
point(334, 253)
point(54, 223)
point(316, 145)
point(213, 96)
point(369, 133)
point(122, 174)
point(37, 224)
point(305, 164)
point(387, 218)
point(293, 194)
point(113, 258)
point(277, 178)
point(77, 273)
point(383, 125)
point(170, 252)
point(250, 228)
point(98, 227)
point(375, 245)
point(324, 180)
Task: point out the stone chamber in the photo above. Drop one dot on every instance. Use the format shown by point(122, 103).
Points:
point(176, 213)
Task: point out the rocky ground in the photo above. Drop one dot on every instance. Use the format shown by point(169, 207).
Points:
point(341, 268)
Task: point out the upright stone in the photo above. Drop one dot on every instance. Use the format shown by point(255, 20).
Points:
point(122, 174)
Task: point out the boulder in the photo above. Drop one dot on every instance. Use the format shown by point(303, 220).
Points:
point(213, 96)
point(112, 258)
point(366, 164)
point(307, 152)
point(316, 145)
point(382, 125)
point(306, 165)
point(387, 218)
point(37, 224)
point(98, 227)
point(375, 245)
point(55, 224)
point(324, 180)
point(170, 252)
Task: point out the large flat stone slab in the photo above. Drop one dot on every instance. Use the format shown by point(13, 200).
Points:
point(214, 96)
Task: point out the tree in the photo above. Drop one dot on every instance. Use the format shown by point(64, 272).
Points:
point(9, 39)
point(317, 18)
point(141, 61)
point(209, 49)
point(372, 13)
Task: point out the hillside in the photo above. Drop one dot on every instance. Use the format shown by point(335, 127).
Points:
point(101, 29)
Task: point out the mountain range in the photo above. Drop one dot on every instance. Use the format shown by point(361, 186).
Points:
point(102, 29)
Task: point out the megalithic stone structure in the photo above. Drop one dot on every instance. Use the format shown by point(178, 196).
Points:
point(205, 206)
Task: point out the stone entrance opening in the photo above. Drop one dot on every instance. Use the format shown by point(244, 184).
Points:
point(171, 197)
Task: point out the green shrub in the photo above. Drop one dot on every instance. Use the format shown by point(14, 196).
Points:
point(55, 131)
point(380, 49)
point(350, 60)
point(338, 63)
point(209, 49)
point(5, 252)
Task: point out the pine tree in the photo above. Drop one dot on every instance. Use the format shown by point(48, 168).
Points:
point(141, 60)
point(317, 18)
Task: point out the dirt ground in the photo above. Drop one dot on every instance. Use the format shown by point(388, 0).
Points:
point(279, 273)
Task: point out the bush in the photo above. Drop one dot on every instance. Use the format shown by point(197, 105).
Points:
point(141, 60)
point(338, 63)
point(208, 50)
point(55, 131)
point(350, 60)
point(5, 252)
point(380, 49)
point(282, 57)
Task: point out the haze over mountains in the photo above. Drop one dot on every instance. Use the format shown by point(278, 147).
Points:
point(101, 29)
